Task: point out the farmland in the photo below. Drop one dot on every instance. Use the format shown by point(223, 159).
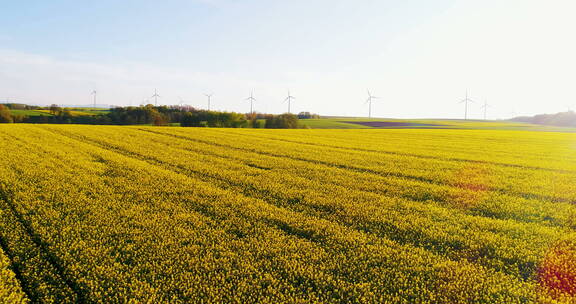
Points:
point(384, 123)
point(72, 111)
point(159, 214)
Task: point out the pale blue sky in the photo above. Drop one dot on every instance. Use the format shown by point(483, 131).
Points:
point(418, 56)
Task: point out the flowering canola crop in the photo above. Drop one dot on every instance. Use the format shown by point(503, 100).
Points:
point(106, 214)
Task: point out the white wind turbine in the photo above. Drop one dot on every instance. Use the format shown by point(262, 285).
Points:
point(252, 100)
point(94, 94)
point(209, 96)
point(155, 96)
point(466, 101)
point(369, 101)
point(485, 107)
point(289, 99)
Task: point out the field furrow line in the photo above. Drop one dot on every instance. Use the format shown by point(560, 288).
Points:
point(296, 231)
point(366, 170)
point(284, 202)
point(34, 258)
point(400, 153)
point(14, 267)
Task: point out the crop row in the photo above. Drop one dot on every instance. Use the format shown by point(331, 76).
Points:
point(10, 289)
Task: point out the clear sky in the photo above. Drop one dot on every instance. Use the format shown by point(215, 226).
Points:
point(418, 56)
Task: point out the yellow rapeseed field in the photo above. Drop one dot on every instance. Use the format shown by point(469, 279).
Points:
point(108, 214)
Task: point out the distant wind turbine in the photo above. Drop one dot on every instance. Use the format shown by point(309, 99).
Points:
point(369, 101)
point(252, 100)
point(289, 99)
point(155, 96)
point(466, 101)
point(94, 94)
point(485, 107)
point(209, 99)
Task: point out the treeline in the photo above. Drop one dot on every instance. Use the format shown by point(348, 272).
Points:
point(236, 120)
point(562, 119)
point(308, 115)
point(160, 116)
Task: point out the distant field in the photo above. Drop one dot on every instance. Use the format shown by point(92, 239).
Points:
point(327, 123)
point(90, 111)
point(365, 123)
point(159, 214)
point(30, 112)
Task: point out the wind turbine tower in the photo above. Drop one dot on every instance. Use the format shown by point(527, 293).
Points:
point(94, 94)
point(155, 96)
point(252, 100)
point(209, 99)
point(289, 99)
point(485, 107)
point(466, 101)
point(369, 101)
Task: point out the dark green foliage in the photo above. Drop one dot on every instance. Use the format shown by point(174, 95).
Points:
point(308, 115)
point(5, 116)
point(284, 121)
point(151, 115)
point(21, 106)
point(55, 109)
point(139, 115)
point(213, 119)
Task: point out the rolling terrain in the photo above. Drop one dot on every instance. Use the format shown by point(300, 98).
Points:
point(385, 123)
point(160, 214)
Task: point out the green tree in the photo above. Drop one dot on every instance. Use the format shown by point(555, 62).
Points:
point(5, 116)
point(284, 121)
point(55, 109)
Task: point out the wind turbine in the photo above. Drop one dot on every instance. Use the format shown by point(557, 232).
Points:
point(155, 96)
point(252, 100)
point(466, 101)
point(485, 107)
point(209, 98)
point(94, 94)
point(289, 99)
point(369, 101)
